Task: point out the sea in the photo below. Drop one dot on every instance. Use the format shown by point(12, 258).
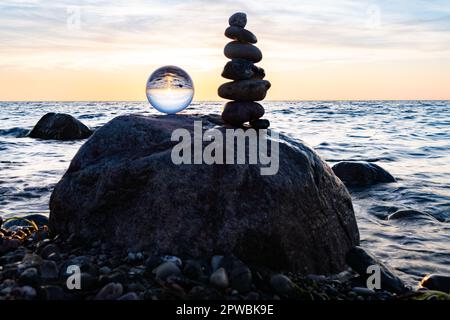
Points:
point(410, 139)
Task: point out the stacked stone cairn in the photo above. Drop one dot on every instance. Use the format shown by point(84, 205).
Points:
point(248, 85)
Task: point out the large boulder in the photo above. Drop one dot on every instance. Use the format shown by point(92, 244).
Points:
point(360, 173)
point(123, 188)
point(59, 126)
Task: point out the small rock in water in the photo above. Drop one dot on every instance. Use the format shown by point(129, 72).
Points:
point(165, 270)
point(436, 282)
point(360, 173)
point(260, 124)
point(60, 126)
point(219, 279)
point(240, 34)
point(111, 291)
point(281, 284)
point(410, 214)
point(239, 19)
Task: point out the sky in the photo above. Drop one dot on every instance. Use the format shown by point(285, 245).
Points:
point(312, 50)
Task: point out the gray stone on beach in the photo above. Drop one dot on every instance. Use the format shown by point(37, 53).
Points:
point(49, 250)
point(111, 291)
point(129, 296)
point(59, 126)
point(360, 173)
point(244, 90)
point(241, 278)
point(360, 260)
point(281, 284)
point(165, 270)
point(237, 113)
point(53, 292)
point(215, 262)
point(49, 270)
point(239, 69)
point(240, 34)
point(219, 279)
point(239, 50)
point(238, 19)
point(125, 173)
point(192, 269)
point(29, 277)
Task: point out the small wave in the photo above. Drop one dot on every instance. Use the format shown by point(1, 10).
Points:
point(14, 132)
point(91, 116)
point(388, 159)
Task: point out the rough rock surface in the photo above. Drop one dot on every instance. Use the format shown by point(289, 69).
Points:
point(239, 19)
point(123, 188)
point(60, 126)
point(239, 69)
point(240, 34)
point(359, 173)
point(244, 90)
point(239, 50)
point(436, 282)
point(237, 113)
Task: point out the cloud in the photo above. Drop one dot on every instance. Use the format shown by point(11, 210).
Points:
point(118, 34)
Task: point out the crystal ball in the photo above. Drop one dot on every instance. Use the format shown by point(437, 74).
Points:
point(170, 89)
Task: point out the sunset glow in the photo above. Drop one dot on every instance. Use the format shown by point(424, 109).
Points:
point(313, 50)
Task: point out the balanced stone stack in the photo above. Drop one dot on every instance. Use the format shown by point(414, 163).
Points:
point(248, 85)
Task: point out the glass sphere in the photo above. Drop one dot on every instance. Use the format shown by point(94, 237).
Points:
point(170, 89)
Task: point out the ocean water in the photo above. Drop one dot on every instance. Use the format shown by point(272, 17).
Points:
point(411, 139)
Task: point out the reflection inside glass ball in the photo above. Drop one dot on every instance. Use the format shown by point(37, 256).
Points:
point(170, 89)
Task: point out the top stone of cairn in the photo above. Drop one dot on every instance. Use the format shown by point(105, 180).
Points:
point(239, 19)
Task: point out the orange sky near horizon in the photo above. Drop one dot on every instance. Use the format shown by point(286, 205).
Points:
point(331, 83)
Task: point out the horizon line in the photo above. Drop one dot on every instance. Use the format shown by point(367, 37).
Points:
point(224, 101)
